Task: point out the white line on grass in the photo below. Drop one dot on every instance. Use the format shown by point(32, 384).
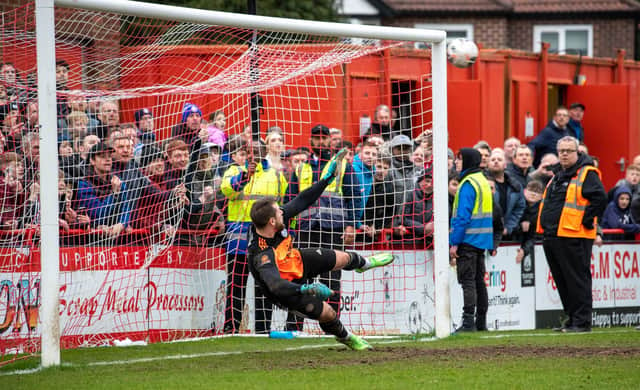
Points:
point(189, 356)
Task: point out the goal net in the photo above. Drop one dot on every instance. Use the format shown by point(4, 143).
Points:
point(167, 132)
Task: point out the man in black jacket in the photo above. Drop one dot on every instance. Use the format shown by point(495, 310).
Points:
point(571, 205)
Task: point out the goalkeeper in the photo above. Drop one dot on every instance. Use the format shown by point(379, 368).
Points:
point(281, 270)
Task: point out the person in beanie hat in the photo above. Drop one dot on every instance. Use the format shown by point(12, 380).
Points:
point(190, 124)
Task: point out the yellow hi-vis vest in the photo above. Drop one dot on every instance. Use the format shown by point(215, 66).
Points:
point(570, 224)
point(479, 232)
point(264, 182)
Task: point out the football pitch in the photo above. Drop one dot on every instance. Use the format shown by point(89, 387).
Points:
point(605, 358)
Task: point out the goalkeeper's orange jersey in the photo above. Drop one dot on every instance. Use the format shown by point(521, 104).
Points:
point(288, 259)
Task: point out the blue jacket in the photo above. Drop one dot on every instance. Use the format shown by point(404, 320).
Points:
point(104, 210)
point(576, 129)
point(364, 176)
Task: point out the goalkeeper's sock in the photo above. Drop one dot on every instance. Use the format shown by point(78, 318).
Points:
point(335, 327)
point(356, 261)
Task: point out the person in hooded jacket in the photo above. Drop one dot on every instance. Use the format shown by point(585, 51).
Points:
point(617, 215)
point(571, 206)
point(472, 233)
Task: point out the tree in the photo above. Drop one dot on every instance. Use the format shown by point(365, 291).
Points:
point(323, 10)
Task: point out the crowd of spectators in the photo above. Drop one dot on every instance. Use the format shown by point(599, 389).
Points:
point(116, 177)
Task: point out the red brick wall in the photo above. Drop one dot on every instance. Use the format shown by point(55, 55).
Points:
point(608, 34)
point(488, 31)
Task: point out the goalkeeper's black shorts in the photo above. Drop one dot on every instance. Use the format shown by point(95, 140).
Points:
point(315, 261)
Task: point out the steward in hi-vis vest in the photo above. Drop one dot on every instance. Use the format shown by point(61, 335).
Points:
point(470, 237)
point(571, 206)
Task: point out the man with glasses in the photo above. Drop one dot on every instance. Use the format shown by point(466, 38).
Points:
point(571, 206)
point(548, 137)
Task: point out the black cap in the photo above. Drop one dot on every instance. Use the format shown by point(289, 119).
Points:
point(99, 148)
point(140, 113)
point(320, 130)
point(577, 105)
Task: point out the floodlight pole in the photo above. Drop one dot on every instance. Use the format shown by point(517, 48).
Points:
point(49, 244)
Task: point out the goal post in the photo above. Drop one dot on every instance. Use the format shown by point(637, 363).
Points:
point(46, 55)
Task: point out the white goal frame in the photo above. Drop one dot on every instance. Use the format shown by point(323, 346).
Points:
point(45, 40)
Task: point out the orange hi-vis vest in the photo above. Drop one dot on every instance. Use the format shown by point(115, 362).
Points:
point(570, 224)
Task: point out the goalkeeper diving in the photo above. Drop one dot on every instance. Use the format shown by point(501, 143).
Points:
point(282, 270)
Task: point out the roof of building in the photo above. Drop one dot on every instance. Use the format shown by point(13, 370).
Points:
point(511, 6)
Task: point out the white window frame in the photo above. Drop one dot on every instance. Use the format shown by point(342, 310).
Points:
point(466, 27)
point(562, 30)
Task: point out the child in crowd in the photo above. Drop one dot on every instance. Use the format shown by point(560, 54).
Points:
point(618, 213)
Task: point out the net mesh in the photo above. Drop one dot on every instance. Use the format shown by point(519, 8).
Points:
point(156, 134)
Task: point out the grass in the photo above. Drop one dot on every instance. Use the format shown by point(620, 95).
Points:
point(516, 360)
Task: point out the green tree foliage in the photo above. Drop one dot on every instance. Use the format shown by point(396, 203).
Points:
point(323, 10)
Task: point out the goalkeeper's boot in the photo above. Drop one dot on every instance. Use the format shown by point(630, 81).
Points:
point(377, 260)
point(356, 343)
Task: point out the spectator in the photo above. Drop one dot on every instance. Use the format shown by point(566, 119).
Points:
point(510, 146)
point(202, 210)
point(415, 224)
point(378, 213)
point(403, 171)
point(508, 192)
point(545, 142)
point(382, 126)
point(631, 180)
point(31, 150)
point(14, 85)
point(525, 232)
point(576, 113)
point(77, 124)
point(12, 126)
point(158, 205)
point(544, 172)
point(188, 128)
point(364, 170)
point(521, 166)
point(62, 79)
point(451, 161)
point(108, 119)
point(617, 215)
point(32, 121)
point(177, 153)
point(217, 128)
point(4, 96)
point(336, 139)
point(103, 194)
point(145, 126)
point(485, 151)
point(245, 180)
point(498, 218)
point(12, 190)
point(275, 148)
point(452, 188)
point(571, 206)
